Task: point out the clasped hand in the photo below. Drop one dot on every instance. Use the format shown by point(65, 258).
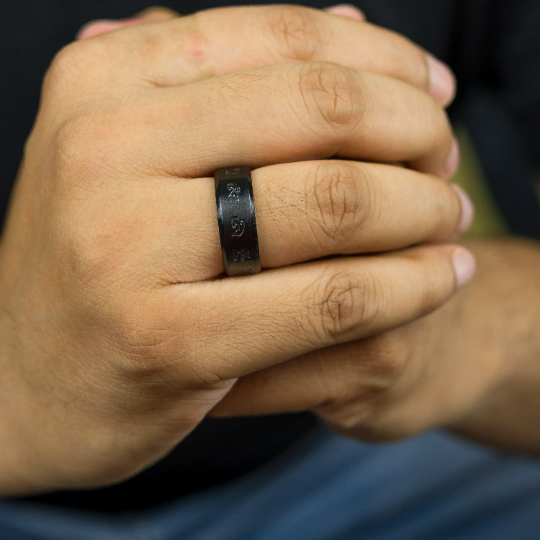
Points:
point(120, 332)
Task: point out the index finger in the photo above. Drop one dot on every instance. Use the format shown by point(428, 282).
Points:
point(219, 41)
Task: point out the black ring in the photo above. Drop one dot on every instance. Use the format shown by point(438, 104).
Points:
point(236, 220)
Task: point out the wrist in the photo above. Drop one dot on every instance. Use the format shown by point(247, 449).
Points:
point(503, 346)
point(19, 471)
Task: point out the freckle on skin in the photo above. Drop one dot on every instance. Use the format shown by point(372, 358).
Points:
point(195, 48)
point(196, 52)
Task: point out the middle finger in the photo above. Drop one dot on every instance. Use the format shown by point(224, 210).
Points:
point(284, 113)
point(224, 40)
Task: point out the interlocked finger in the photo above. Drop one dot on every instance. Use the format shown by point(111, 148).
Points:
point(304, 211)
point(284, 113)
point(315, 209)
point(219, 41)
point(265, 319)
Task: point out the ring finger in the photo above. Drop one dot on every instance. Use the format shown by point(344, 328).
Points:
point(309, 210)
point(304, 211)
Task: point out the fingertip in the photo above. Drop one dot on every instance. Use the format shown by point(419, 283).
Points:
point(442, 82)
point(346, 10)
point(467, 209)
point(449, 167)
point(464, 265)
point(98, 27)
point(94, 28)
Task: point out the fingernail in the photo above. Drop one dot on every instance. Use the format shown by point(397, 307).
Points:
point(95, 28)
point(347, 10)
point(467, 209)
point(442, 81)
point(464, 265)
point(452, 163)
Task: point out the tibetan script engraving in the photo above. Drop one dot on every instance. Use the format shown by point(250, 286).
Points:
point(241, 255)
point(234, 190)
point(238, 226)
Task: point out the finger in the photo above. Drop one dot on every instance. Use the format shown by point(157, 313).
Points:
point(374, 389)
point(262, 320)
point(360, 371)
point(311, 210)
point(219, 41)
point(304, 211)
point(157, 14)
point(346, 10)
point(294, 112)
point(149, 15)
point(98, 27)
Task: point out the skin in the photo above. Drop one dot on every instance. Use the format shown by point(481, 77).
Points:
point(470, 366)
point(111, 275)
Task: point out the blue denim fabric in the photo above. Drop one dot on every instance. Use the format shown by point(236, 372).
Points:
point(326, 487)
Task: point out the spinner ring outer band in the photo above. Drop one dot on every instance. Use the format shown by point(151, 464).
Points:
point(236, 221)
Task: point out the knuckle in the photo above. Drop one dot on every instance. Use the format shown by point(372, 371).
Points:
point(113, 298)
point(296, 32)
point(343, 199)
point(97, 143)
point(372, 373)
point(92, 270)
point(345, 417)
point(142, 336)
point(384, 359)
point(77, 153)
point(149, 350)
point(66, 62)
point(100, 248)
point(330, 92)
point(143, 341)
point(363, 421)
point(365, 404)
point(69, 142)
point(341, 304)
point(72, 70)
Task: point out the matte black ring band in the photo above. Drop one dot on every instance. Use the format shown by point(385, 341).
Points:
point(236, 220)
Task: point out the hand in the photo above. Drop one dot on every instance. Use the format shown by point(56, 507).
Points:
point(470, 366)
point(119, 336)
point(426, 374)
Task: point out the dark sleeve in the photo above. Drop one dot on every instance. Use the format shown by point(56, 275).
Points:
point(496, 56)
point(516, 69)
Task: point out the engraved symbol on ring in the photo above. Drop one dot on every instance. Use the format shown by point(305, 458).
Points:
point(234, 190)
point(241, 255)
point(238, 226)
point(236, 170)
